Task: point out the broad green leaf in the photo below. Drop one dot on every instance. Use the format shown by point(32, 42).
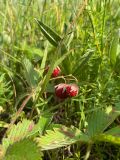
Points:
point(25, 150)
point(114, 48)
point(44, 121)
point(51, 36)
point(42, 124)
point(29, 73)
point(61, 136)
point(114, 131)
point(99, 120)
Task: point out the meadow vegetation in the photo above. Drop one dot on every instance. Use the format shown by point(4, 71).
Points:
point(81, 38)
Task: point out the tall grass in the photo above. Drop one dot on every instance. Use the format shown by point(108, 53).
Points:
point(88, 29)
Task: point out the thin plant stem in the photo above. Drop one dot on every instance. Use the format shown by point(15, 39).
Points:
point(87, 155)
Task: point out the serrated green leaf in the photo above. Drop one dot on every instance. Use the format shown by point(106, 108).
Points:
point(114, 48)
point(20, 131)
point(99, 120)
point(25, 129)
point(51, 36)
point(25, 150)
point(59, 137)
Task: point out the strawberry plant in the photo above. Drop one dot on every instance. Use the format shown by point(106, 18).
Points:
point(66, 90)
point(59, 80)
point(56, 71)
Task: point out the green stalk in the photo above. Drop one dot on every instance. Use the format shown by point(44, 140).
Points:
point(45, 82)
point(47, 77)
point(103, 26)
point(87, 155)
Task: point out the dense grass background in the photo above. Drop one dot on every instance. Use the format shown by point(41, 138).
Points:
point(89, 28)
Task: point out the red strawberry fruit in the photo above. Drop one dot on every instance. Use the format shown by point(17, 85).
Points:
point(56, 72)
point(72, 90)
point(63, 90)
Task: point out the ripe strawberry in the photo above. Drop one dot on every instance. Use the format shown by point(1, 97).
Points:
point(66, 90)
point(56, 72)
point(72, 90)
point(60, 90)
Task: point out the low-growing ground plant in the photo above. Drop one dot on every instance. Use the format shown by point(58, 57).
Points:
point(59, 80)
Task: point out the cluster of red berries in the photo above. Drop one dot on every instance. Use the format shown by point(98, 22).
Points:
point(64, 90)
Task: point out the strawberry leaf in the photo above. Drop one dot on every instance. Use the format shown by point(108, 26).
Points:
point(98, 121)
point(61, 136)
point(25, 150)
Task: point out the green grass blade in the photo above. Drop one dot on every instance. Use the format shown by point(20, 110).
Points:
point(82, 61)
point(114, 48)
